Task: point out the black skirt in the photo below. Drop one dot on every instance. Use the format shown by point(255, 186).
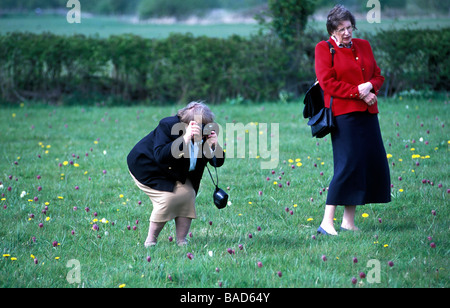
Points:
point(361, 169)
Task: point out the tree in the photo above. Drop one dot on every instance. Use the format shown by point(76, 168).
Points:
point(289, 18)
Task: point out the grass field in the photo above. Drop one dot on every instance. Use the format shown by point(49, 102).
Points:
point(63, 170)
point(106, 26)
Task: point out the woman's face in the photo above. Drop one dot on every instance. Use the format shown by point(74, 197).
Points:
point(343, 33)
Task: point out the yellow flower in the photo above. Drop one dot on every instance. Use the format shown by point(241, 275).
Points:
point(295, 205)
point(47, 218)
point(290, 161)
point(365, 215)
point(120, 196)
point(56, 258)
point(249, 202)
point(6, 255)
point(122, 286)
point(310, 219)
point(76, 165)
point(275, 182)
point(65, 163)
point(385, 245)
point(299, 164)
point(400, 190)
point(13, 259)
point(59, 197)
point(32, 256)
point(389, 155)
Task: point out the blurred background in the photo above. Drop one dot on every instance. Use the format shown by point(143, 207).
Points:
point(165, 51)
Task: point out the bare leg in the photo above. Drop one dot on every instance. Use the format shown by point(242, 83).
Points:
point(182, 224)
point(153, 232)
point(348, 221)
point(328, 219)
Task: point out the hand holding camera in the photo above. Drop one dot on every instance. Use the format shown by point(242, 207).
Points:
point(193, 132)
point(211, 130)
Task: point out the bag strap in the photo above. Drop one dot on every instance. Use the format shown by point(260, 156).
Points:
point(332, 51)
point(217, 177)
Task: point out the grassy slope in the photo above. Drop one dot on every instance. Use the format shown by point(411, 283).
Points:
point(114, 255)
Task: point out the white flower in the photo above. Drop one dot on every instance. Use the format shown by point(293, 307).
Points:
point(23, 194)
point(210, 253)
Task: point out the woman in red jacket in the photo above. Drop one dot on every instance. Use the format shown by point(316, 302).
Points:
point(352, 79)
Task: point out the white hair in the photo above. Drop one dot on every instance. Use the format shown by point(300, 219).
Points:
point(196, 110)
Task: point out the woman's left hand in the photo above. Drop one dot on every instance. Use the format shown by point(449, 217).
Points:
point(212, 140)
point(370, 99)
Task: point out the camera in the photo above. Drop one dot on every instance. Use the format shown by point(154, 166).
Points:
point(210, 127)
point(220, 198)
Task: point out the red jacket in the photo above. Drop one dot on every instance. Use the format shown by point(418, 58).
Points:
point(352, 66)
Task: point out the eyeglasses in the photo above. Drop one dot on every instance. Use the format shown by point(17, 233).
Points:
point(342, 30)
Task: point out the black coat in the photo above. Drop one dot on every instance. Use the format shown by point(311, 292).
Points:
point(153, 164)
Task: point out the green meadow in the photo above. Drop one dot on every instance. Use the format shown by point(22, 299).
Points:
point(104, 26)
point(71, 216)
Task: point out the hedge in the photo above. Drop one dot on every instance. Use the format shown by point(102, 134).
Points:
point(127, 68)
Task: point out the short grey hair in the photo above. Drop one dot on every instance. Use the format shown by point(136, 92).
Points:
point(194, 110)
point(337, 15)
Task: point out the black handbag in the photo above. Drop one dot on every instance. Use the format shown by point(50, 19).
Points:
point(322, 123)
point(321, 118)
point(220, 197)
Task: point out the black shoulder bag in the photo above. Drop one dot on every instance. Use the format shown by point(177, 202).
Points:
point(321, 118)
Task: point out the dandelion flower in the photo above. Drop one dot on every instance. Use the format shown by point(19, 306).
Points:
point(365, 215)
point(122, 286)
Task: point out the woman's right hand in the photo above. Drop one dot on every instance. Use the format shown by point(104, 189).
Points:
point(193, 131)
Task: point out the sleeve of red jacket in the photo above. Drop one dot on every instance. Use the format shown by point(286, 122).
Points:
point(327, 76)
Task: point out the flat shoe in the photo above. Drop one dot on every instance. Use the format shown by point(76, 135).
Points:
point(322, 231)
